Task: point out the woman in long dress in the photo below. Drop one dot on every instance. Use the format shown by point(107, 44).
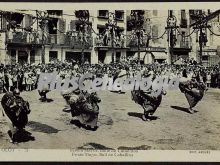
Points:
point(192, 89)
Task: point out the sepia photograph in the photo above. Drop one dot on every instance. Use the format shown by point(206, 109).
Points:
point(97, 79)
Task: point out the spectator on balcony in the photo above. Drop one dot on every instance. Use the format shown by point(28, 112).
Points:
point(122, 41)
point(99, 40)
point(106, 37)
point(37, 37)
point(31, 37)
point(10, 35)
point(116, 42)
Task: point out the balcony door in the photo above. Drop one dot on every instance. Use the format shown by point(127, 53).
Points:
point(53, 55)
point(101, 56)
point(118, 56)
point(73, 56)
point(22, 57)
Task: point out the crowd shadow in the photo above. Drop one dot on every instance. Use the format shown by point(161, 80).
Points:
point(182, 109)
point(80, 125)
point(139, 115)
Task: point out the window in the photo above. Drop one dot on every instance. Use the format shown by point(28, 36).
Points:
point(154, 31)
point(101, 30)
point(147, 26)
point(205, 58)
point(28, 21)
point(52, 55)
point(55, 12)
point(119, 15)
point(52, 26)
point(183, 23)
point(103, 13)
point(32, 56)
point(13, 56)
point(73, 25)
point(118, 56)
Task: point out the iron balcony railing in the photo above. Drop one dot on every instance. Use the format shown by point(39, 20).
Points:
point(185, 44)
point(52, 39)
point(72, 41)
point(78, 42)
point(102, 41)
point(133, 41)
point(23, 38)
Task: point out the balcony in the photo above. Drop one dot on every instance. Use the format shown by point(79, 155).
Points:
point(76, 42)
point(101, 41)
point(73, 41)
point(185, 44)
point(52, 39)
point(67, 40)
point(133, 42)
point(23, 38)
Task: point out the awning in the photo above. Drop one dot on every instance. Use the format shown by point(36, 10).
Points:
point(178, 62)
point(160, 55)
point(142, 55)
point(101, 26)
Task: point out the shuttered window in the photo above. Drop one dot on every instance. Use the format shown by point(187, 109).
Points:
point(155, 31)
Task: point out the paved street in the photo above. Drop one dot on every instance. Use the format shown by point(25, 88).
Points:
point(120, 125)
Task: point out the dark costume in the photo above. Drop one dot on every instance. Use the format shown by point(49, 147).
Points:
point(193, 90)
point(85, 108)
point(17, 114)
point(149, 102)
point(43, 93)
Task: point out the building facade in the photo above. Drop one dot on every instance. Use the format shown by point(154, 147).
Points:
point(56, 35)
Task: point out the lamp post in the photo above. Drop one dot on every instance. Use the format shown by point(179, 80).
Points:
point(112, 27)
point(83, 16)
point(201, 26)
point(171, 27)
point(137, 21)
point(43, 16)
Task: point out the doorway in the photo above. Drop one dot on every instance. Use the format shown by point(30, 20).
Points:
point(22, 57)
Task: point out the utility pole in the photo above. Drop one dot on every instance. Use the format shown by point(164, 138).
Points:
point(202, 24)
point(171, 27)
point(139, 42)
point(83, 16)
point(200, 45)
point(112, 43)
point(43, 16)
point(137, 22)
point(112, 26)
